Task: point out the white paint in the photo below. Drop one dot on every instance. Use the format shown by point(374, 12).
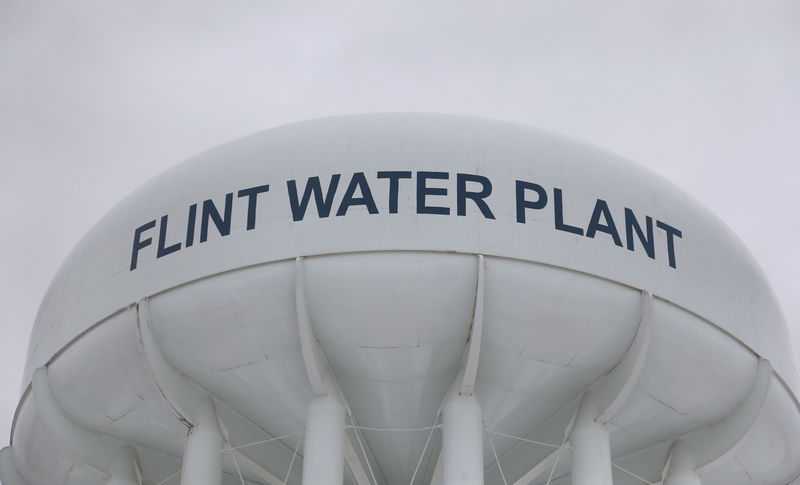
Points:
point(719, 109)
point(591, 451)
point(9, 475)
point(681, 468)
point(472, 358)
point(323, 451)
point(462, 440)
point(705, 282)
point(202, 460)
point(394, 340)
point(124, 468)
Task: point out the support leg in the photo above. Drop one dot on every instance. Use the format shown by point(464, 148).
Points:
point(462, 441)
point(202, 460)
point(323, 456)
point(591, 450)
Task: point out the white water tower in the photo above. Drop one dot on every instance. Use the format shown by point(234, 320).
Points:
point(407, 299)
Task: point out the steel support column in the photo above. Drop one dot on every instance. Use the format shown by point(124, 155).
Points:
point(591, 448)
point(323, 451)
point(179, 391)
point(462, 415)
point(202, 459)
point(324, 447)
point(462, 441)
point(599, 404)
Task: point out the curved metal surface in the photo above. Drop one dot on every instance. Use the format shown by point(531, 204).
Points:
point(174, 387)
point(613, 389)
point(607, 394)
point(9, 475)
point(713, 445)
point(367, 286)
point(93, 449)
point(96, 278)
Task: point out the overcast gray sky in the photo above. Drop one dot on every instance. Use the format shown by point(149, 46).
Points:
point(96, 97)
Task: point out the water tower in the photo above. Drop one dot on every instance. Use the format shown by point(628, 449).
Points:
point(407, 299)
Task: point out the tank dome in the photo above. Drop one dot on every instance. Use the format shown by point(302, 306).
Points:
point(384, 276)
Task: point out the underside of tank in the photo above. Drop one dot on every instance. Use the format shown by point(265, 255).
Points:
point(395, 336)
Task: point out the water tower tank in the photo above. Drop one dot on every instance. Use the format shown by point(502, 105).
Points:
point(407, 299)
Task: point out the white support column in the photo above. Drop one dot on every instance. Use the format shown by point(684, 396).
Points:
point(202, 459)
point(323, 457)
point(608, 395)
point(124, 468)
point(680, 470)
point(462, 415)
point(179, 391)
point(462, 440)
point(591, 449)
point(324, 447)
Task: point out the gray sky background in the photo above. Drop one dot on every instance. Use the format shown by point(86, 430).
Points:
point(96, 97)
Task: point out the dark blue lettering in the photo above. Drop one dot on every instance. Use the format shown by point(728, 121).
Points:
point(138, 243)
point(671, 231)
point(210, 212)
point(559, 213)
point(162, 240)
point(462, 194)
point(632, 225)
point(423, 191)
point(523, 203)
point(324, 204)
point(394, 185)
point(357, 182)
point(601, 210)
point(190, 225)
point(252, 200)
